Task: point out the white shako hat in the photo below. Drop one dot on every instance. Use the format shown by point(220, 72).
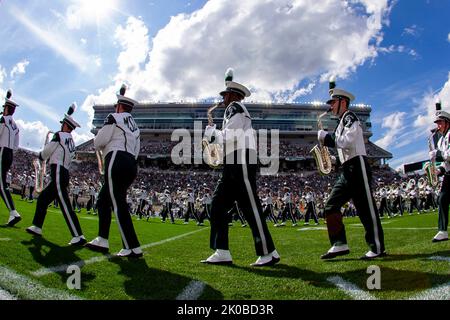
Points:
point(232, 86)
point(8, 101)
point(441, 114)
point(68, 117)
point(337, 92)
point(125, 100)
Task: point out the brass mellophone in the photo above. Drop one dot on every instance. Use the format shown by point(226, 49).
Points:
point(214, 151)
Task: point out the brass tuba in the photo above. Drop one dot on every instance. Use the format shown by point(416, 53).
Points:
point(213, 152)
point(320, 153)
point(40, 168)
point(430, 166)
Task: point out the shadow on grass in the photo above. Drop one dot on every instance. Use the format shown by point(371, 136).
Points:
point(391, 279)
point(145, 283)
point(48, 254)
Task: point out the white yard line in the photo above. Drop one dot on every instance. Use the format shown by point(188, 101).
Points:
point(5, 239)
point(5, 295)
point(350, 289)
point(62, 268)
point(193, 291)
point(312, 228)
point(397, 228)
point(439, 258)
point(441, 292)
point(25, 288)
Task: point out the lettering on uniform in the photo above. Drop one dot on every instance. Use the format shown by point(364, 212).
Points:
point(70, 145)
point(129, 122)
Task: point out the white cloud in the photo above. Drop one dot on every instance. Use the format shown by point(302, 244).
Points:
point(410, 158)
point(395, 124)
point(275, 47)
point(19, 68)
point(400, 49)
point(79, 138)
point(448, 37)
point(413, 31)
point(88, 12)
point(2, 74)
point(424, 120)
point(56, 41)
point(38, 107)
point(32, 134)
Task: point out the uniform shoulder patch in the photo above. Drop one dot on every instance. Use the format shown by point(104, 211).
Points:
point(109, 120)
point(233, 109)
point(56, 137)
point(349, 119)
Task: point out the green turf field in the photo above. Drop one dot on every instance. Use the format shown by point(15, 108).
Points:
point(170, 269)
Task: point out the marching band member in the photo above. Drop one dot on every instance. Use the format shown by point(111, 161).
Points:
point(383, 202)
point(205, 200)
point(311, 206)
point(354, 182)
point(9, 141)
point(119, 140)
point(268, 210)
point(166, 200)
point(238, 180)
point(443, 151)
point(413, 203)
point(59, 152)
point(287, 200)
point(190, 210)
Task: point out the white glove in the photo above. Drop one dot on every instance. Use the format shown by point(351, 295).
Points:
point(209, 132)
point(432, 154)
point(321, 134)
point(333, 159)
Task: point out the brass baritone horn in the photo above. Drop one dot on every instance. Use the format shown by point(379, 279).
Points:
point(213, 152)
point(40, 168)
point(320, 152)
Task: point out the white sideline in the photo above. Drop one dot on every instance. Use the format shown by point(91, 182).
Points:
point(193, 291)
point(62, 268)
point(26, 288)
point(441, 292)
point(5, 239)
point(350, 289)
